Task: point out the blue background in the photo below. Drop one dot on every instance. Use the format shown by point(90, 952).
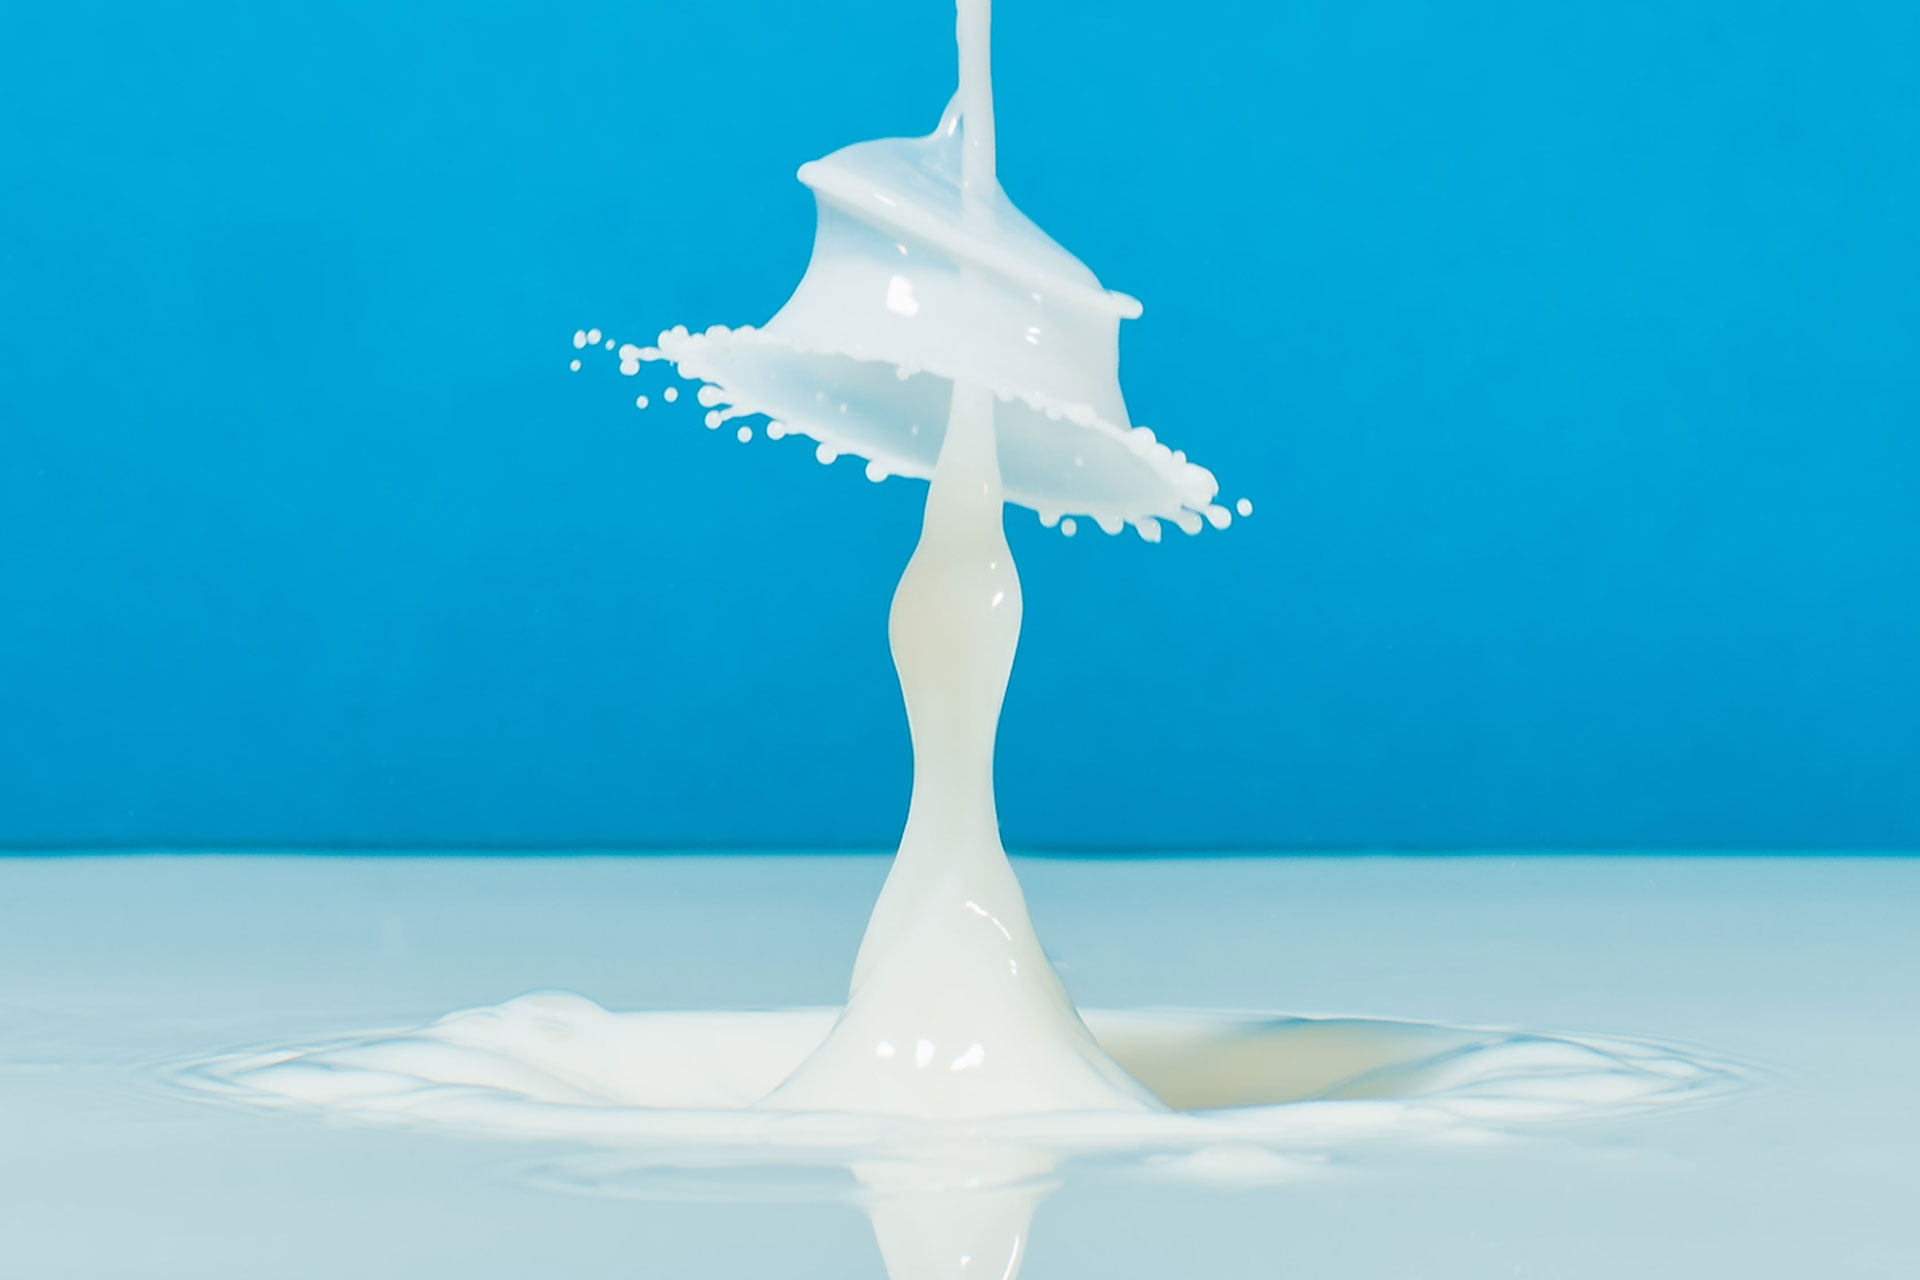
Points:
point(1570, 352)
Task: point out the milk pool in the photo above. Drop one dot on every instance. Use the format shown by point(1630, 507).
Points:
point(119, 971)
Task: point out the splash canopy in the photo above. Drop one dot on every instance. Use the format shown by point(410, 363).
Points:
point(919, 278)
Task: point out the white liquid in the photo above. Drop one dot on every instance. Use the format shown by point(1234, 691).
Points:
point(959, 1071)
point(925, 275)
point(954, 1008)
point(558, 1067)
point(954, 1011)
point(625, 1092)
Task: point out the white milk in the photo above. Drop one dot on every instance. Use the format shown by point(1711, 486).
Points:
point(938, 333)
point(955, 1009)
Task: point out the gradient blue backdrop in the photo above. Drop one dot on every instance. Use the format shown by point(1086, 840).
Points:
point(1570, 352)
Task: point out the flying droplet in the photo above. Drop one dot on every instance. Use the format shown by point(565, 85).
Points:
point(1069, 526)
point(574, 365)
point(639, 402)
point(670, 394)
point(593, 335)
point(579, 338)
point(1244, 507)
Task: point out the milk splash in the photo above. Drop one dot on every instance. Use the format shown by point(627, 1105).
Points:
point(938, 333)
point(937, 322)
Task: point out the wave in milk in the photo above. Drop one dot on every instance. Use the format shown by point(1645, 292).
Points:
point(556, 1066)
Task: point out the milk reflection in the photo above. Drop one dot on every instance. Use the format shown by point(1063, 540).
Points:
point(955, 1210)
point(962, 1214)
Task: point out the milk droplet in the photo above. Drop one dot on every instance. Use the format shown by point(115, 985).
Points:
point(639, 402)
point(776, 430)
point(713, 419)
point(709, 395)
point(609, 344)
point(593, 335)
point(1069, 526)
point(574, 365)
point(1244, 507)
point(629, 367)
point(743, 435)
point(825, 454)
point(670, 394)
point(1148, 528)
point(876, 472)
point(579, 338)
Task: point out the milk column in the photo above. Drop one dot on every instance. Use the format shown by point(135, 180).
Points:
point(955, 1009)
point(938, 332)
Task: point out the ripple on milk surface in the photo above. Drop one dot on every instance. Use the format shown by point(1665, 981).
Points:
point(559, 1066)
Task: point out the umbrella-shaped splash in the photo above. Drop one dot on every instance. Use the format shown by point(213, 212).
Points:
point(924, 276)
point(920, 281)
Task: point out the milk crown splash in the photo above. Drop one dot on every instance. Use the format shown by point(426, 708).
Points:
point(924, 275)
